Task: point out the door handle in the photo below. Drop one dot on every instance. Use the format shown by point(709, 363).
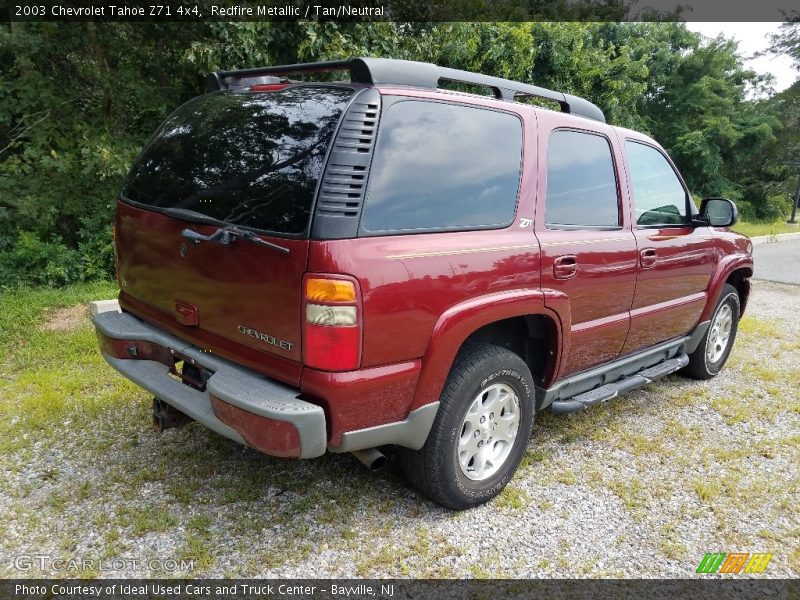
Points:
point(648, 257)
point(565, 267)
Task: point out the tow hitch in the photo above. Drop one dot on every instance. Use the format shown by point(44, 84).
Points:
point(167, 417)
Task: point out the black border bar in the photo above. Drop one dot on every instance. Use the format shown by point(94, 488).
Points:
point(716, 587)
point(398, 10)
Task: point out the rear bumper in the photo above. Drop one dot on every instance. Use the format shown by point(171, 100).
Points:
point(236, 403)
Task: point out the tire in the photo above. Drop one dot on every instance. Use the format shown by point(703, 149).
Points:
point(711, 354)
point(486, 411)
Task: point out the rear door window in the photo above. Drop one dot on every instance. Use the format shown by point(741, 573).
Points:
point(581, 182)
point(441, 167)
point(248, 159)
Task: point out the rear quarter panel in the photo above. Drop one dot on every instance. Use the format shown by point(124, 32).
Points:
point(408, 282)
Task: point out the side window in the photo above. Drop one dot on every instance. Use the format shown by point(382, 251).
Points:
point(658, 194)
point(443, 167)
point(581, 184)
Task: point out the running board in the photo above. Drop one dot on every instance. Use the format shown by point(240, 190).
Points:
point(612, 390)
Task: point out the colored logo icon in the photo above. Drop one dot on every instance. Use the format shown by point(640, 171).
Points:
point(735, 562)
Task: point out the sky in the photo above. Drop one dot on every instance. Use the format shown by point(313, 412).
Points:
point(753, 37)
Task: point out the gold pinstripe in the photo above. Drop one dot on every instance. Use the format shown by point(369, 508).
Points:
point(501, 248)
point(460, 251)
point(575, 243)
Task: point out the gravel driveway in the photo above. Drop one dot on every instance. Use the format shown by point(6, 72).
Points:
point(643, 486)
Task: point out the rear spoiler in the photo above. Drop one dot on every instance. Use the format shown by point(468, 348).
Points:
point(387, 71)
point(225, 80)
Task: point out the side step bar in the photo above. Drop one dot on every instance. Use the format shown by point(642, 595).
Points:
point(612, 390)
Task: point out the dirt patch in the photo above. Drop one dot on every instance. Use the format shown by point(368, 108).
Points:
point(66, 319)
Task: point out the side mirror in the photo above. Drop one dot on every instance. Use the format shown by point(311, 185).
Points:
point(718, 212)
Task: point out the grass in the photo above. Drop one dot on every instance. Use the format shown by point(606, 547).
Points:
point(755, 229)
point(200, 523)
point(754, 327)
point(513, 498)
point(153, 519)
point(672, 549)
point(794, 559)
point(22, 309)
point(533, 457)
point(51, 380)
point(637, 444)
point(197, 549)
point(567, 477)
point(631, 491)
point(707, 491)
point(478, 572)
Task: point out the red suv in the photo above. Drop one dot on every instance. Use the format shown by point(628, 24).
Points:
point(312, 266)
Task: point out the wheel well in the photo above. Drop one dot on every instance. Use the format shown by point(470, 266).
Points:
point(527, 336)
point(740, 279)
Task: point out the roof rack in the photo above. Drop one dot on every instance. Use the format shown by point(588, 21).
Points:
point(387, 71)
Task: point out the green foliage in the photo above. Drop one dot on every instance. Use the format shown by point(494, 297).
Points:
point(78, 101)
point(754, 229)
point(33, 261)
point(787, 41)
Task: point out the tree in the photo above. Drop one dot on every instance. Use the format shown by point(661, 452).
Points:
point(787, 104)
point(78, 101)
point(787, 41)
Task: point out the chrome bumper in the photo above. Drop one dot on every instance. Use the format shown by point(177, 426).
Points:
point(231, 383)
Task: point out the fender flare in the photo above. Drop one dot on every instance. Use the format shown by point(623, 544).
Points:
point(458, 322)
point(726, 266)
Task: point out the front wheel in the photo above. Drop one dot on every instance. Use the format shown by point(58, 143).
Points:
point(710, 356)
point(480, 432)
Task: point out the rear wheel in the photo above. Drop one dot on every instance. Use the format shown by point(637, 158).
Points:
point(480, 432)
point(710, 356)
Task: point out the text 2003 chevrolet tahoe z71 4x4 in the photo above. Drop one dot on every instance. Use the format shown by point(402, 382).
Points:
point(340, 266)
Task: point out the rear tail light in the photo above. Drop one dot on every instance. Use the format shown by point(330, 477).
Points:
point(318, 314)
point(332, 331)
point(330, 290)
point(116, 255)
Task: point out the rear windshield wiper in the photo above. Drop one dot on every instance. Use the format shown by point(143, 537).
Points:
point(187, 215)
point(229, 234)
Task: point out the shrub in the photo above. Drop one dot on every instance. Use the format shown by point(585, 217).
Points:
point(32, 261)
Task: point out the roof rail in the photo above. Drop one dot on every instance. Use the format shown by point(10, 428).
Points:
point(387, 71)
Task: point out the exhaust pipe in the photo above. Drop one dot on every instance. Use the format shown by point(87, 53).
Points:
point(370, 458)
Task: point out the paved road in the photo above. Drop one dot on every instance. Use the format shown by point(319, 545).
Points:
point(778, 262)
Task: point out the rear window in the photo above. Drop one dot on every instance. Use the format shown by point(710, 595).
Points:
point(248, 159)
point(442, 166)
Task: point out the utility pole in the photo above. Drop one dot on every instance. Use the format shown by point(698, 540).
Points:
point(796, 202)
